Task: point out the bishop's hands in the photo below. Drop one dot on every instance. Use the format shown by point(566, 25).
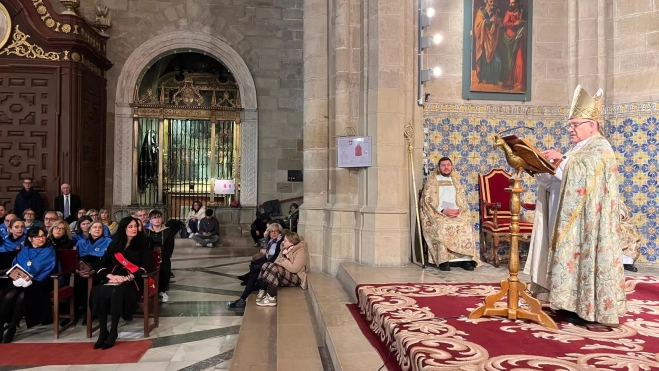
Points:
point(451, 213)
point(553, 156)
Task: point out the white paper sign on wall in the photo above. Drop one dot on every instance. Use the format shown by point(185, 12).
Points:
point(225, 186)
point(353, 151)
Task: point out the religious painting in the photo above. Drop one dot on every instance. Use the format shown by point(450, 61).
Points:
point(497, 50)
point(5, 25)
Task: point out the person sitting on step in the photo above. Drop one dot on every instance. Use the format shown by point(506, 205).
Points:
point(290, 269)
point(209, 230)
point(267, 254)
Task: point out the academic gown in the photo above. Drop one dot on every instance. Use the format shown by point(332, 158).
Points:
point(121, 299)
point(90, 251)
point(40, 263)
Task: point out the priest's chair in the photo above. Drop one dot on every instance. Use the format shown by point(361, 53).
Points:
point(495, 213)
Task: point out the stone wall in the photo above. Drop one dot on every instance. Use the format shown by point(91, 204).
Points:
point(635, 50)
point(267, 35)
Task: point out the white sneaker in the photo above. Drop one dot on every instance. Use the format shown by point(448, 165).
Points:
point(165, 298)
point(191, 235)
point(209, 245)
point(268, 301)
point(260, 295)
point(198, 244)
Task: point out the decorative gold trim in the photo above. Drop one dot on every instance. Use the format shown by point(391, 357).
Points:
point(187, 113)
point(48, 19)
point(94, 68)
point(22, 48)
point(4, 33)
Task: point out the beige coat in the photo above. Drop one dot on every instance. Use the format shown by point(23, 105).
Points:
point(296, 261)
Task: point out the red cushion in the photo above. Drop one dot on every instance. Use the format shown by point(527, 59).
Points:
point(64, 293)
point(504, 227)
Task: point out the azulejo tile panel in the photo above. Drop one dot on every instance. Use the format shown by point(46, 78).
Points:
point(465, 134)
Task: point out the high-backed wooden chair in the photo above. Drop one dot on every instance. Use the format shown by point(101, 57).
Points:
point(67, 260)
point(149, 303)
point(495, 212)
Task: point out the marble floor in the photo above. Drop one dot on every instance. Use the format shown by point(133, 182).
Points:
point(197, 330)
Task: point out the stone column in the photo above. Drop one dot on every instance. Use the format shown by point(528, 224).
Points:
point(344, 90)
point(589, 27)
point(385, 238)
point(312, 224)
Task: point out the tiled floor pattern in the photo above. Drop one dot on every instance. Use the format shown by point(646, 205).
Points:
point(197, 330)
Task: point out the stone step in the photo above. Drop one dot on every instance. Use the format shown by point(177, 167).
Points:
point(297, 338)
point(256, 348)
point(348, 348)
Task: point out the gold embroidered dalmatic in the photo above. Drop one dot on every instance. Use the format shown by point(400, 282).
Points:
point(630, 237)
point(447, 238)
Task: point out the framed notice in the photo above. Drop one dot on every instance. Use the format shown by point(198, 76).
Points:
point(225, 186)
point(353, 151)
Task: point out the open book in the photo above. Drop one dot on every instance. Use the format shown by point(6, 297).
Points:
point(17, 272)
point(82, 266)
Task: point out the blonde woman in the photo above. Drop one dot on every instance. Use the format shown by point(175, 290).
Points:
point(105, 218)
point(60, 236)
point(290, 269)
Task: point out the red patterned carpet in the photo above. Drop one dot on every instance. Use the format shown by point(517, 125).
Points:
point(425, 327)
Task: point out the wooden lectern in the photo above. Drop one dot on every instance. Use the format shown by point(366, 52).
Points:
point(522, 156)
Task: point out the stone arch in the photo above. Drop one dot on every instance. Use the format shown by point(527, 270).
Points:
point(140, 59)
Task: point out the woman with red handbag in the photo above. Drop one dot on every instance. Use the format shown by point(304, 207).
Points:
point(120, 271)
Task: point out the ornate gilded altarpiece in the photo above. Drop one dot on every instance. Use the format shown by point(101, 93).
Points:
point(186, 135)
point(52, 102)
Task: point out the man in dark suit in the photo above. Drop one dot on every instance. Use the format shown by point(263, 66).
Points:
point(67, 203)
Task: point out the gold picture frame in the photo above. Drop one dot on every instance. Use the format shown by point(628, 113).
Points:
point(5, 25)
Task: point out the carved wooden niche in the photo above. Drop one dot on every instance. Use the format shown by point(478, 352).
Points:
point(52, 102)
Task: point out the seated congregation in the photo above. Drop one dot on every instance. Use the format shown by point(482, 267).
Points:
point(103, 275)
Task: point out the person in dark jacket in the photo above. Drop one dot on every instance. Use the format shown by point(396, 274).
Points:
point(267, 254)
point(209, 230)
point(258, 227)
point(28, 198)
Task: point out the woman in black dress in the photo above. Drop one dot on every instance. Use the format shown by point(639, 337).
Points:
point(120, 273)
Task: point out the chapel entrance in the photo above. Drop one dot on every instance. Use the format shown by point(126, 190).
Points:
point(186, 135)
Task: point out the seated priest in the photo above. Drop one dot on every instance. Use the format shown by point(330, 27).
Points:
point(446, 222)
point(630, 238)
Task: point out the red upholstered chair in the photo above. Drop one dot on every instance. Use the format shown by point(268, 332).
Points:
point(149, 304)
point(68, 259)
point(495, 212)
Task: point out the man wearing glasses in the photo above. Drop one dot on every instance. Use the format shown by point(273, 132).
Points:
point(576, 253)
point(28, 198)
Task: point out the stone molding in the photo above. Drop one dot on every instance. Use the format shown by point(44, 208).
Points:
point(140, 59)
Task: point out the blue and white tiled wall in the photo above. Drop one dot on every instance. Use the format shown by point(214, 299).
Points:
point(465, 134)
